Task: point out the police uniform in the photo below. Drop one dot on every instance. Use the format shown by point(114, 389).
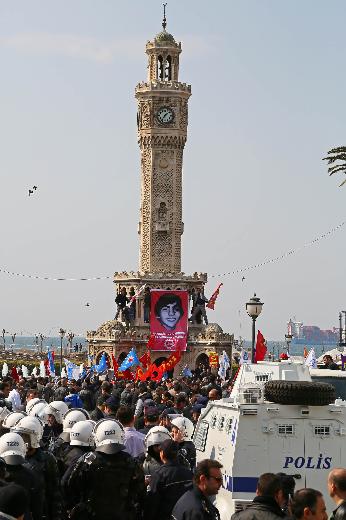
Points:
point(105, 486)
point(45, 467)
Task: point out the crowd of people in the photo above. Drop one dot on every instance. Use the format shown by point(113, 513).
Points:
point(99, 449)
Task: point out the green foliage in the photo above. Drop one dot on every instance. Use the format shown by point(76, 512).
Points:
point(334, 155)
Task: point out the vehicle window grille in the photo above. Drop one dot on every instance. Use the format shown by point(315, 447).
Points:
point(285, 429)
point(322, 430)
point(262, 377)
point(213, 421)
point(252, 395)
point(201, 436)
point(228, 426)
point(221, 422)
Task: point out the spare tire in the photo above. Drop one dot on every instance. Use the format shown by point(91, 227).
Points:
point(299, 392)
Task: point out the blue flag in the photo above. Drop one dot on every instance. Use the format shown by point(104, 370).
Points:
point(130, 360)
point(102, 366)
point(187, 372)
point(51, 363)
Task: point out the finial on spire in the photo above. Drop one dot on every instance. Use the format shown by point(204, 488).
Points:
point(164, 21)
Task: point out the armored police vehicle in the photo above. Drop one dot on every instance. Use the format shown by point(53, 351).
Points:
point(276, 420)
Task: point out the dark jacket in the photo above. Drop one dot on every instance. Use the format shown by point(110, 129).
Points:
point(340, 512)
point(167, 485)
point(44, 465)
point(109, 486)
point(25, 477)
point(193, 505)
point(261, 508)
point(96, 414)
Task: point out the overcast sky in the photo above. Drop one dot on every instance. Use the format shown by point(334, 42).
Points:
point(268, 101)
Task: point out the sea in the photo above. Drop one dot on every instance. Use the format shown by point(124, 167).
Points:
point(53, 343)
point(34, 343)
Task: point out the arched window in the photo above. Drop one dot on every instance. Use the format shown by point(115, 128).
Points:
point(168, 69)
point(160, 71)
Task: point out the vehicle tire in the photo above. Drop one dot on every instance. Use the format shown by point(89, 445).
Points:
point(299, 392)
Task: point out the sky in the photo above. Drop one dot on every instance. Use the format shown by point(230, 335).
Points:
point(268, 102)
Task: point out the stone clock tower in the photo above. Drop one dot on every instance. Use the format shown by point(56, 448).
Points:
point(162, 130)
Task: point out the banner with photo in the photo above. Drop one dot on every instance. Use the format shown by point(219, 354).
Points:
point(168, 320)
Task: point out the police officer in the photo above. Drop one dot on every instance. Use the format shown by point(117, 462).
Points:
point(182, 432)
point(107, 483)
point(82, 441)
point(153, 440)
point(54, 414)
point(61, 446)
point(12, 450)
point(43, 464)
point(167, 484)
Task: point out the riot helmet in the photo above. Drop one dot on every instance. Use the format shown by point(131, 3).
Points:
point(81, 433)
point(12, 449)
point(109, 436)
point(31, 426)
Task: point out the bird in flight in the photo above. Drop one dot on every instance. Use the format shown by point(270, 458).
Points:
point(34, 188)
point(243, 278)
point(30, 192)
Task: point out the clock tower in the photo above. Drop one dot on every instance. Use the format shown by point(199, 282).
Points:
point(162, 130)
point(162, 120)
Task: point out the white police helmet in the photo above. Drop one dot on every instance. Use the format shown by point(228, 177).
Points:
point(109, 436)
point(4, 412)
point(58, 409)
point(31, 426)
point(32, 403)
point(12, 419)
point(81, 433)
point(185, 426)
point(156, 435)
point(72, 416)
point(39, 410)
point(12, 449)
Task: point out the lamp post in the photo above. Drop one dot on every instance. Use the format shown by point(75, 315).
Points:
point(62, 333)
point(254, 309)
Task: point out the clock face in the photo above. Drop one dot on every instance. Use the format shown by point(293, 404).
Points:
point(165, 115)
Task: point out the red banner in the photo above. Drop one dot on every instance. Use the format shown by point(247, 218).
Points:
point(213, 359)
point(168, 320)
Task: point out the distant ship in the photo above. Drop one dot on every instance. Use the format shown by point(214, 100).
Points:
point(311, 334)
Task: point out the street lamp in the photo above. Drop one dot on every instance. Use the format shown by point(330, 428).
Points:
point(254, 309)
point(62, 333)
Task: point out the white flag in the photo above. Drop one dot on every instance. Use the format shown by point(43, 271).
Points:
point(34, 372)
point(224, 365)
point(63, 372)
point(81, 368)
point(25, 371)
point(311, 360)
point(4, 369)
point(244, 357)
point(42, 369)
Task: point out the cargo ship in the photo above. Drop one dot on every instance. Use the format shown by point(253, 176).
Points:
point(311, 334)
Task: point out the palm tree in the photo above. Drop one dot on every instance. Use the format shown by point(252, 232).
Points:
point(337, 154)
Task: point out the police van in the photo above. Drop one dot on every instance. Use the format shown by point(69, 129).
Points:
point(277, 419)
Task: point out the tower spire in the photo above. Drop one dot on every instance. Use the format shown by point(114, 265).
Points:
point(164, 21)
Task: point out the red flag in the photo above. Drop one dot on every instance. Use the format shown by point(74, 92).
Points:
point(46, 366)
point(157, 372)
point(14, 374)
point(145, 359)
point(261, 348)
point(212, 299)
point(115, 364)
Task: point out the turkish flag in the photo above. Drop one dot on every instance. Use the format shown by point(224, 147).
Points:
point(115, 364)
point(14, 374)
point(261, 348)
